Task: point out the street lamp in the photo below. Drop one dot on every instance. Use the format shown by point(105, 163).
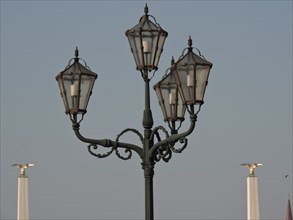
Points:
point(146, 41)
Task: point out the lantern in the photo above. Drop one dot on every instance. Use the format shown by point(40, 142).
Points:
point(146, 41)
point(192, 73)
point(76, 83)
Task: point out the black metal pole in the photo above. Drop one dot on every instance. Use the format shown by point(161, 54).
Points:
point(148, 163)
point(149, 200)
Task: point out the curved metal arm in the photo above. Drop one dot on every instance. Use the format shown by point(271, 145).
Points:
point(175, 137)
point(106, 142)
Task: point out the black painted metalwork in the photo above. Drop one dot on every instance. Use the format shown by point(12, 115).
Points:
point(146, 41)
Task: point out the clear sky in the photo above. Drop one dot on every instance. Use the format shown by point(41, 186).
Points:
point(247, 115)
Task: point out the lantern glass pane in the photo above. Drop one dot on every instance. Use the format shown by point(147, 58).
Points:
point(63, 93)
point(202, 73)
point(71, 88)
point(161, 41)
point(173, 103)
point(161, 101)
point(135, 45)
point(167, 107)
point(181, 108)
point(187, 81)
point(86, 86)
point(148, 45)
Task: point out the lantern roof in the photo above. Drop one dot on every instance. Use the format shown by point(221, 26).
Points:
point(76, 67)
point(191, 58)
point(145, 24)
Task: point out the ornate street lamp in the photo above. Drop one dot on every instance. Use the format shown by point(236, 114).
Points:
point(146, 41)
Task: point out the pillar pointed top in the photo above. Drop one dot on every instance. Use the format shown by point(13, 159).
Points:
point(289, 211)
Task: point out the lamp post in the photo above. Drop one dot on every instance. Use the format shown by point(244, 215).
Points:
point(146, 41)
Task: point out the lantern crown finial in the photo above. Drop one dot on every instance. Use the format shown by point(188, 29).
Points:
point(76, 53)
point(189, 43)
point(146, 9)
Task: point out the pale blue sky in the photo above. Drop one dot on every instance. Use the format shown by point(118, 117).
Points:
point(247, 115)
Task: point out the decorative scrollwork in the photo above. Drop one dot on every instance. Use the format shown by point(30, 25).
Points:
point(156, 132)
point(127, 151)
point(93, 147)
point(183, 141)
point(163, 152)
point(115, 145)
point(132, 130)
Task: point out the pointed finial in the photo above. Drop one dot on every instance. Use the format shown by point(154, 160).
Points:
point(189, 41)
point(146, 9)
point(76, 53)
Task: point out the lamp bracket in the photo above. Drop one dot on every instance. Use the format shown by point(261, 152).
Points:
point(107, 143)
point(163, 148)
point(164, 151)
point(115, 146)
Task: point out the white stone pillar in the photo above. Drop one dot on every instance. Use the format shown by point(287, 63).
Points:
point(22, 206)
point(252, 198)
